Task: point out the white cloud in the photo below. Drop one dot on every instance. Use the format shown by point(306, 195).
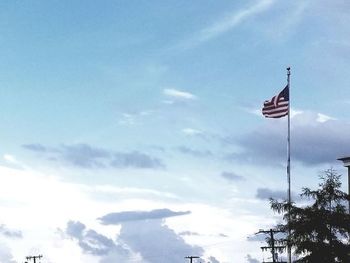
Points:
point(129, 191)
point(133, 118)
point(233, 246)
point(323, 118)
point(191, 132)
point(256, 112)
point(178, 94)
point(127, 119)
point(5, 254)
point(10, 158)
point(295, 112)
point(47, 203)
point(169, 102)
point(156, 242)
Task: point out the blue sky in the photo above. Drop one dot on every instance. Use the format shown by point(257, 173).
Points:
point(150, 111)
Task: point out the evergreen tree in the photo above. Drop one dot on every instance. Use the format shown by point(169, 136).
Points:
point(320, 231)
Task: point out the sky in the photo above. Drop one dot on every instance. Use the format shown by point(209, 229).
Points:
point(131, 131)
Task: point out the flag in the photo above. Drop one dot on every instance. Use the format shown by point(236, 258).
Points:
point(278, 106)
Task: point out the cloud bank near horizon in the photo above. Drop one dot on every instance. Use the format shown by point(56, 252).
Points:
point(315, 140)
point(139, 240)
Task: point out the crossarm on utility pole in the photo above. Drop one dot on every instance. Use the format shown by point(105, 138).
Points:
point(34, 258)
point(191, 258)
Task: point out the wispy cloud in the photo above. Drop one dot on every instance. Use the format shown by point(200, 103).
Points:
point(191, 132)
point(266, 193)
point(36, 147)
point(108, 190)
point(194, 152)
point(228, 23)
point(252, 260)
point(12, 233)
point(189, 233)
point(178, 94)
point(133, 118)
point(323, 118)
point(135, 160)
point(90, 157)
point(117, 218)
point(232, 176)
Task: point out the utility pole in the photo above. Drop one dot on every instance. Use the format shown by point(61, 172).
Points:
point(191, 258)
point(272, 246)
point(34, 258)
point(346, 163)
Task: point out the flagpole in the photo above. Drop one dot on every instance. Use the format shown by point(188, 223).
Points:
point(288, 167)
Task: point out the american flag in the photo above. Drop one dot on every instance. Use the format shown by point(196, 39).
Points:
point(278, 106)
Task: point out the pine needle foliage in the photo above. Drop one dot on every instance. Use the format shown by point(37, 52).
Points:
point(318, 232)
